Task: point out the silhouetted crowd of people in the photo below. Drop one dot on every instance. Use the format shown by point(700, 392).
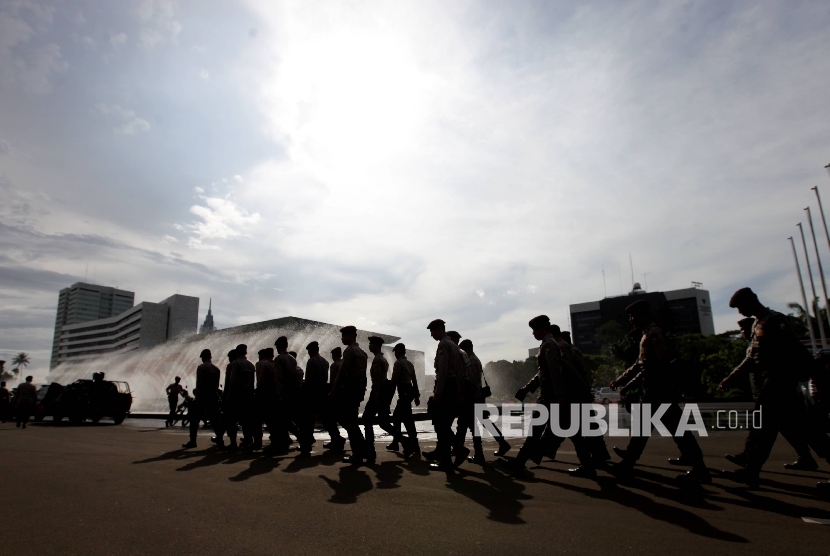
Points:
point(277, 393)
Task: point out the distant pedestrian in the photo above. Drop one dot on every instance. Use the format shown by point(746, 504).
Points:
point(5, 402)
point(26, 399)
point(173, 393)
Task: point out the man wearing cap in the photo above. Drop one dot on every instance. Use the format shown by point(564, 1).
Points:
point(337, 441)
point(449, 376)
point(239, 398)
point(314, 398)
point(560, 385)
point(379, 400)
point(405, 382)
point(348, 391)
point(286, 373)
point(574, 362)
point(266, 395)
point(775, 356)
point(652, 372)
point(206, 403)
point(476, 376)
point(466, 403)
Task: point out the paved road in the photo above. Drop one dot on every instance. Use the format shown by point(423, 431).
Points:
point(129, 490)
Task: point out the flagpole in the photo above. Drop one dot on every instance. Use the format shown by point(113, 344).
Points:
point(820, 269)
point(803, 296)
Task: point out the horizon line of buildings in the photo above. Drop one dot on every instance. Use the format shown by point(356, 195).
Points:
point(94, 321)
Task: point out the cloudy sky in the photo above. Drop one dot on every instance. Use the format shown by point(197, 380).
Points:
point(388, 163)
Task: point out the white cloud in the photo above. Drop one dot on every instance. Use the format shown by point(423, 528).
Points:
point(30, 67)
point(159, 23)
point(170, 239)
point(220, 219)
point(238, 179)
point(204, 74)
point(198, 189)
point(118, 40)
point(128, 122)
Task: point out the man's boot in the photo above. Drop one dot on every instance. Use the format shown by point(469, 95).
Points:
point(804, 463)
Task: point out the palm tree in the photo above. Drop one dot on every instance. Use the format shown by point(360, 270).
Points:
point(20, 360)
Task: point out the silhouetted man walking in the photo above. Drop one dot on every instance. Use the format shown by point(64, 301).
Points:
point(449, 375)
point(652, 372)
point(206, 402)
point(26, 401)
point(173, 393)
point(348, 391)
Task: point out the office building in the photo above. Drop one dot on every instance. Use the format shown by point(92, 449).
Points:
point(142, 326)
point(685, 311)
point(82, 302)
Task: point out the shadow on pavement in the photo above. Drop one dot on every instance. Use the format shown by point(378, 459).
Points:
point(610, 490)
point(497, 492)
point(352, 482)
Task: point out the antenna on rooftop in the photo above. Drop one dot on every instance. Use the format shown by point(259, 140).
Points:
point(604, 288)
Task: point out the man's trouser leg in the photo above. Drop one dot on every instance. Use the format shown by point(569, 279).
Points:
point(402, 416)
point(688, 445)
point(478, 447)
point(172, 403)
point(445, 413)
point(369, 414)
point(195, 414)
point(348, 409)
point(385, 423)
point(465, 422)
point(777, 409)
point(532, 444)
point(803, 432)
point(307, 416)
point(327, 414)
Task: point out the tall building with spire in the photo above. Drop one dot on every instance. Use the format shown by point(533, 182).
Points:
point(207, 326)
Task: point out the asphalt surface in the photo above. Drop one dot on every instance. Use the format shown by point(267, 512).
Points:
point(130, 489)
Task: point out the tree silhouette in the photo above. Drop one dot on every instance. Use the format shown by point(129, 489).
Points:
point(20, 360)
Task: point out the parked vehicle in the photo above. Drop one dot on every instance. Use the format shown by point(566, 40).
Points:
point(607, 395)
point(85, 399)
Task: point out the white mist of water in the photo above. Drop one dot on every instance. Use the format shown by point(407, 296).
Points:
point(150, 371)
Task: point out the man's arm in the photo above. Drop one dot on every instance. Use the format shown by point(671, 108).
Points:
point(394, 380)
point(414, 377)
point(442, 367)
point(628, 376)
point(741, 370)
point(341, 372)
